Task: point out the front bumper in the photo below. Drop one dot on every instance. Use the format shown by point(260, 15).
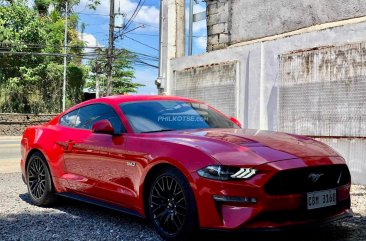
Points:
point(346, 214)
point(269, 211)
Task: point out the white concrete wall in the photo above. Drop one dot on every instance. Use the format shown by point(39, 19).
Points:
point(252, 19)
point(259, 72)
point(259, 67)
point(234, 21)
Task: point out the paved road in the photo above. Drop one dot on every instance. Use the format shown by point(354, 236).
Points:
point(9, 154)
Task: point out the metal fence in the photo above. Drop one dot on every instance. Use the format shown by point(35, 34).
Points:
point(323, 92)
point(213, 84)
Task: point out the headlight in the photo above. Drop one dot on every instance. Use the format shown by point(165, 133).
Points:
point(226, 173)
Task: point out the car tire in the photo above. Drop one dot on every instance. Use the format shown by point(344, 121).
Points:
point(39, 181)
point(172, 207)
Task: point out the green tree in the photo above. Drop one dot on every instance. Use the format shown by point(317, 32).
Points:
point(33, 82)
point(122, 72)
point(31, 58)
point(42, 6)
point(19, 71)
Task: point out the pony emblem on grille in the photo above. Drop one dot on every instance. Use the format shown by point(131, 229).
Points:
point(314, 177)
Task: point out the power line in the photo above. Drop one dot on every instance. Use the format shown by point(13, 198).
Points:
point(129, 20)
point(84, 54)
point(147, 64)
point(145, 34)
point(93, 14)
point(157, 35)
point(106, 15)
point(141, 43)
point(97, 24)
point(46, 54)
point(135, 13)
point(141, 57)
point(33, 53)
point(39, 45)
point(146, 24)
point(137, 62)
point(155, 57)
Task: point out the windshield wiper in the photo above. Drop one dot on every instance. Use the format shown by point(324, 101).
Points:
point(161, 130)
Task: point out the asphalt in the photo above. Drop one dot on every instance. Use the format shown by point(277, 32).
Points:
point(9, 154)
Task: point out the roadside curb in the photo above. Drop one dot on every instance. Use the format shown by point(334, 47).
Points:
point(10, 137)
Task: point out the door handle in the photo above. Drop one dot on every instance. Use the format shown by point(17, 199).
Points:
point(66, 145)
point(70, 144)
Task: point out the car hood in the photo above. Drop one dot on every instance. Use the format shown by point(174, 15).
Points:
point(250, 147)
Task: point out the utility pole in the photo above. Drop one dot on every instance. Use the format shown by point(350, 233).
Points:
point(160, 81)
point(65, 60)
point(97, 84)
point(97, 71)
point(190, 40)
point(110, 48)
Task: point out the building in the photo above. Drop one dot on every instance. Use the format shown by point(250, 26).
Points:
point(283, 65)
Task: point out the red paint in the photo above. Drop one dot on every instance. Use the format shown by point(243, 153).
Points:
point(103, 127)
point(99, 165)
point(236, 121)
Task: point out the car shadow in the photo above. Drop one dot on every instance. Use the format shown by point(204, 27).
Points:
point(346, 229)
point(75, 207)
point(331, 232)
point(75, 220)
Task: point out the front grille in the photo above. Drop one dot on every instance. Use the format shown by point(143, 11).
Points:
point(309, 179)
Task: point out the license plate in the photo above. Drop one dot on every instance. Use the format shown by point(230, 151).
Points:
point(321, 199)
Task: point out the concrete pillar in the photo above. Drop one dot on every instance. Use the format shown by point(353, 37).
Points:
point(172, 39)
point(179, 27)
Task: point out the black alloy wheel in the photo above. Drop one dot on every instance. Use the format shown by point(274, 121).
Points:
point(169, 205)
point(39, 181)
point(37, 178)
point(172, 208)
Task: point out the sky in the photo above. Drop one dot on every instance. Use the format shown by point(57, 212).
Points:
point(97, 25)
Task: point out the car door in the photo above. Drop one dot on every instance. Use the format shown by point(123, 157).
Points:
point(97, 160)
point(67, 135)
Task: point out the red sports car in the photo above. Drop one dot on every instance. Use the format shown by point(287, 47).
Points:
point(183, 165)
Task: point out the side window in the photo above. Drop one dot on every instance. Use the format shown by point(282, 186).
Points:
point(70, 119)
point(90, 114)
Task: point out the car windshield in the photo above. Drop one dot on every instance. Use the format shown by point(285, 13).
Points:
point(156, 116)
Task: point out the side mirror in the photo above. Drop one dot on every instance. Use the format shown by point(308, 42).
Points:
point(103, 127)
point(233, 119)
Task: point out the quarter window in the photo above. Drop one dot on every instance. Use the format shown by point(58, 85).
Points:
point(90, 114)
point(70, 119)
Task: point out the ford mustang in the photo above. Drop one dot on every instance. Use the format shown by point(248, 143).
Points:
point(183, 165)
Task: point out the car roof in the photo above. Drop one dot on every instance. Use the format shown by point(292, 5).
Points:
point(119, 99)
